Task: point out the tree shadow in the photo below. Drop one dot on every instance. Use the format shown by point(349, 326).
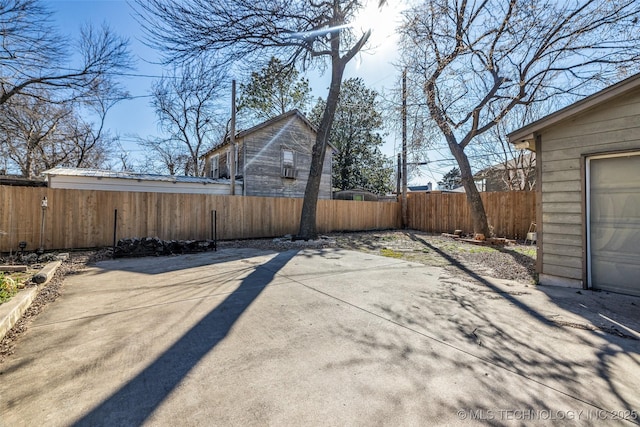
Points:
point(171, 263)
point(494, 365)
point(457, 264)
point(135, 401)
point(533, 345)
point(527, 262)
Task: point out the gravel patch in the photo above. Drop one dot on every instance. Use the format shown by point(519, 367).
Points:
point(511, 262)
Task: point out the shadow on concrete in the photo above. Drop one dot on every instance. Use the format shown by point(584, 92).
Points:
point(523, 346)
point(173, 262)
point(455, 263)
point(134, 402)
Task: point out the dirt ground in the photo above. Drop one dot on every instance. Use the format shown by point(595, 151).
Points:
point(512, 262)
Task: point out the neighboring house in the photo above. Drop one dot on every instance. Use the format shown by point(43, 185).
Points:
point(94, 179)
point(20, 181)
point(420, 188)
point(588, 184)
point(273, 158)
point(459, 189)
point(356, 194)
point(516, 174)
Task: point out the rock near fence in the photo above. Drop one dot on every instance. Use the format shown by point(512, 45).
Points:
point(153, 246)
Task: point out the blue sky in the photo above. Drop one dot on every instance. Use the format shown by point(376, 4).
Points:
point(136, 117)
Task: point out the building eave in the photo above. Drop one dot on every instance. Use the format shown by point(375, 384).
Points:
point(525, 135)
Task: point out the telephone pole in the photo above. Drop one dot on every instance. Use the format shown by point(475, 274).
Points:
point(404, 150)
point(232, 139)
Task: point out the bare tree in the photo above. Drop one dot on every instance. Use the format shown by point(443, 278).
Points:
point(168, 156)
point(500, 161)
point(34, 55)
point(26, 124)
point(187, 107)
point(304, 32)
point(90, 144)
point(87, 144)
point(39, 135)
point(124, 161)
point(478, 61)
point(421, 132)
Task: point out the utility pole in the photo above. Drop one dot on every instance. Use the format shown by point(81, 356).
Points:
point(404, 150)
point(399, 177)
point(232, 139)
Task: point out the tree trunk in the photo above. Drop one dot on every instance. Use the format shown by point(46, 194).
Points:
point(308, 228)
point(478, 214)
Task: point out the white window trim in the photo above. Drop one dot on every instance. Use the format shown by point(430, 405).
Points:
point(215, 167)
point(286, 171)
point(235, 162)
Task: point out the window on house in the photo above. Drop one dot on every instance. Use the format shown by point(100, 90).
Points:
point(288, 164)
point(237, 159)
point(235, 162)
point(214, 170)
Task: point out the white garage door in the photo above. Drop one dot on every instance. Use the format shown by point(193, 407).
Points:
point(614, 222)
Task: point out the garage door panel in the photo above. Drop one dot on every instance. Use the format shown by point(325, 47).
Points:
point(614, 223)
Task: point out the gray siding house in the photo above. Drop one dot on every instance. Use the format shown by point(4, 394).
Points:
point(516, 174)
point(588, 186)
point(273, 158)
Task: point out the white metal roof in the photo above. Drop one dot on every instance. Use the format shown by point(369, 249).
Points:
point(98, 173)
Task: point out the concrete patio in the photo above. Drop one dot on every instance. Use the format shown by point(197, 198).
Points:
point(319, 337)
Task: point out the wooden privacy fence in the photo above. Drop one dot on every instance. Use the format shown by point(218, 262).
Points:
point(509, 212)
point(85, 219)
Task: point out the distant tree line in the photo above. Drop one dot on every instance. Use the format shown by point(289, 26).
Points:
point(52, 107)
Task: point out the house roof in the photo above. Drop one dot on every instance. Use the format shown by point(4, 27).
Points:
point(97, 173)
point(526, 133)
point(266, 124)
point(427, 187)
point(20, 181)
point(512, 164)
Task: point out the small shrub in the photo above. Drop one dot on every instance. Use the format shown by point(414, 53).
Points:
point(8, 288)
point(529, 251)
point(481, 249)
point(390, 253)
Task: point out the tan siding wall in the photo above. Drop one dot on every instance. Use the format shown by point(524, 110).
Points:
point(613, 126)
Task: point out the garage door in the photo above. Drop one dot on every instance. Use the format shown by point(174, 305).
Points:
point(614, 223)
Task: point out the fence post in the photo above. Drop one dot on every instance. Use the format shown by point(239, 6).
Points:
point(115, 227)
point(214, 229)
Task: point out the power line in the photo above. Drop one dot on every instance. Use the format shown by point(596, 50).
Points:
point(138, 96)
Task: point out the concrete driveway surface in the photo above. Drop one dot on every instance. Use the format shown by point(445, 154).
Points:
point(319, 337)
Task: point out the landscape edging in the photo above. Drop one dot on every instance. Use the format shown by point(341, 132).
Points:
point(12, 310)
